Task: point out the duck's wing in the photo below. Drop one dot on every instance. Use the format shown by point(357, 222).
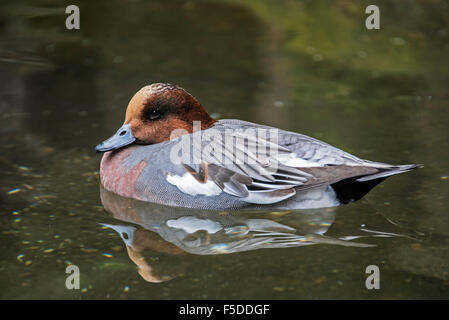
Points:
point(303, 151)
point(265, 167)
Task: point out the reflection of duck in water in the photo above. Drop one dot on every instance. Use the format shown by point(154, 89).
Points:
point(172, 232)
point(157, 260)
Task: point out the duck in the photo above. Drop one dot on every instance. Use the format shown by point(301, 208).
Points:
point(170, 151)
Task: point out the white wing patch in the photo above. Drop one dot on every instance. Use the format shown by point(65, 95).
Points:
point(188, 184)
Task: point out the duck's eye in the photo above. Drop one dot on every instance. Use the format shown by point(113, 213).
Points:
point(154, 114)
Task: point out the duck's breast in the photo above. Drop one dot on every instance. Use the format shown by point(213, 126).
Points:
point(117, 175)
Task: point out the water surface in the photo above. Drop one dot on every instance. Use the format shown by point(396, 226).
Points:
point(305, 66)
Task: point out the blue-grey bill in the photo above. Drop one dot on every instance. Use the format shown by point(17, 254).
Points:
point(121, 138)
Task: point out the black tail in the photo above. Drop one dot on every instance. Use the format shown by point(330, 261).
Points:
point(354, 188)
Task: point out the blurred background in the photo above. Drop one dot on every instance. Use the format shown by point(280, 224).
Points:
point(305, 66)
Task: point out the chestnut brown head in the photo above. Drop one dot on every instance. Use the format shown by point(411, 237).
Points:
point(154, 113)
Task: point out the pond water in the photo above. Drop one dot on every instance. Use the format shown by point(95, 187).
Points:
point(305, 66)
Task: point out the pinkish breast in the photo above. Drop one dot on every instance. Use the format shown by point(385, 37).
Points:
point(118, 178)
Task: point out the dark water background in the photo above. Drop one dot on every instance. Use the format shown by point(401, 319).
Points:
point(305, 66)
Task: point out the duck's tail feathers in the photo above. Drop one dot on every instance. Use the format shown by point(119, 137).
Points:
point(352, 189)
point(386, 172)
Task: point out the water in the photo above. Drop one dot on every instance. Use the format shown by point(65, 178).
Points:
point(303, 66)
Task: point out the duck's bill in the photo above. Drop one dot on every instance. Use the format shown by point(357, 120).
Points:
point(121, 138)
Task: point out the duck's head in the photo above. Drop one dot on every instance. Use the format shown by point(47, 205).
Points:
point(154, 113)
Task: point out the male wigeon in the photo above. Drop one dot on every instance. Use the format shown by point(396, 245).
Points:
point(170, 151)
